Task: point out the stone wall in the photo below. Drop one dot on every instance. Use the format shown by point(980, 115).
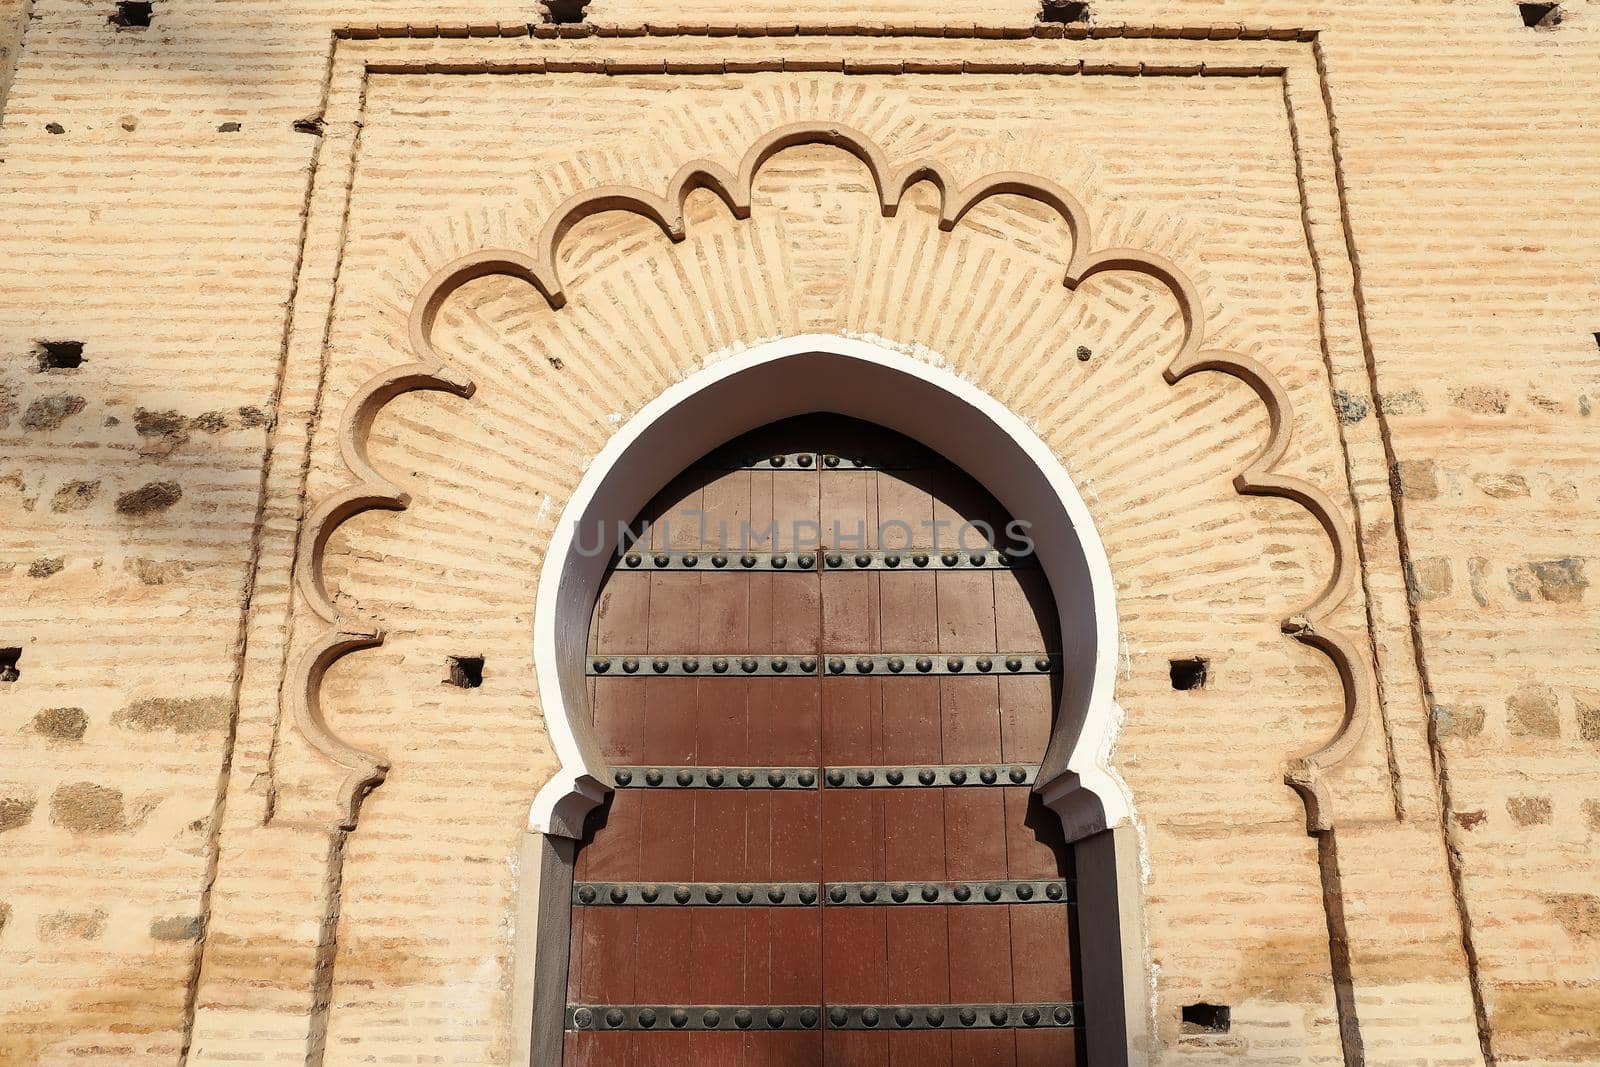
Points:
point(157, 184)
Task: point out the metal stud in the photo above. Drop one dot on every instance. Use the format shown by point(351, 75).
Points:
point(958, 776)
point(614, 1017)
point(660, 665)
point(926, 777)
point(587, 895)
point(962, 893)
point(776, 778)
point(719, 560)
point(864, 776)
point(679, 1018)
point(583, 1017)
point(902, 1017)
point(870, 1016)
point(681, 894)
point(949, 559)
point(838, 1016)
point(654, 777)
point(899, 894)
point(632, 559)
point(662, 559)
point(835, 778)
point(869, 893)
point(954, 663)
point(836, 666)
point(924, 664)
point(998, 1016)
point(1030, 1016)
point(1063, 1014)
point(834, 559)
point(1054, 892)
point(777, 461)
point(920, 559)
point(720, 665)
point(808, 895)
point(630, 665)
point(808, 1017)
point(780, 562)
point(650, 894)
point(863, 560)
point(742, 1018)
point(807, 562)
point(711, 1018)
point(1013, 663)
point(864, 665)
point(779, 664)
point(984, 664)
point(747, 560)
point(935, 1016)
point(991, 893)
point(808, 664)
point(691, 665)
point(1042, 663)
point(602, 665)
point(776, 894)
point(891, 560)
point(930, 893)
point(805, 460)
point(623, 777)
point(714, 894)
point(776, 1017)
point(968, 1016)
point(1018, 776)
point(748, 665)
point(745, 894)
point(894, 776)
point(619, 895)
point(806, 779)
point(691, 560)
point(896, 664)
point(1024, 892)
point(646, 1017)
point(987, 776)
point(746, 779)
point(978, 559)
point(837, 894)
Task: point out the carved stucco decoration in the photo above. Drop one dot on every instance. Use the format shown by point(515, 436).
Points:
point(1305, 773)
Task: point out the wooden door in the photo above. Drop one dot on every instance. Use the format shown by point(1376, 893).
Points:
point(824, 703)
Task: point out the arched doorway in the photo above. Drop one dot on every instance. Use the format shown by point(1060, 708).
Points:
point(824, 678)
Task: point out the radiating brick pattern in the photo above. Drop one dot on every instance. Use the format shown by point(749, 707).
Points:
point(170, 247)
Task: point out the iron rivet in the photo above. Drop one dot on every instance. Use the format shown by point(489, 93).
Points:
point(776, 894)
point(1018, 776)
point(863, 560)
point(804, 461)
point(858, 461)
point(955, 663)
point(748, 665)
point(930, 893)
point(777, 461)
point(630, 664)
point(869, 893)
point(1063, 1014)
point(711, 1019)
point(987, 775)
point(998, 1016)
point(1024, 892)
point(587, 894)
point(962, 892)
point(900, 894)
point(776, 1018)
point(679, 1018)
point(806, 779)
point(838, 1016)
point(646, 1017)
point(968, 1016)
point(836, 666)
point(1084, 354)
point(660, 666)
point(747, 561)
point(779, 664)
point(662, 559)
point(583, 1017)
point(896, 664)
point(719, 665)
point(1030, 1016)
point(623, 777)
point(891, 560)
point(808, 664)
point(780, 561)
point(924, 664)
point(650, 893)
point(920, 559)
point(864, 776)
point(1042, 663)
point(837, 894)
point(1003, 559)
point(832, 461)
point(807, 561)
point(833, 559)
point(983, 663)
point(681, 894)
point(895, 777)
point(747, 779)
point(776, 778)
point(742, 1019)
point(652, 777)
point(685, 778)
point(691, 560)
point(618, 894)
point(714, 779)
point(632, 560)
point(808, 895)
point(614, 1017)
point(991, 893)
point(691, 665)
point(745, 894)
point(958, 776)
point(902, 1017)
point(808, 1017)
point(1053, 891)
point(926, 777)
point(949, 559)
point(869, 1016)
point(1013, 663)
point(979, 558)
point(936, 1016)
point(836, 778)
point(602, 665)
point(719, 560)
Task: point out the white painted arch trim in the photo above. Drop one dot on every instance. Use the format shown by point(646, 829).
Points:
point(827, 373)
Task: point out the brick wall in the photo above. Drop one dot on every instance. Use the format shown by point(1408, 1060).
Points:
point(156, 185)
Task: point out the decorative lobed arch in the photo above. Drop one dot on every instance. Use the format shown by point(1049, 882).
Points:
point(776, 380)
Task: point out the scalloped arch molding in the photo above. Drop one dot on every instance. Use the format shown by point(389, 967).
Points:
point(1077, 766)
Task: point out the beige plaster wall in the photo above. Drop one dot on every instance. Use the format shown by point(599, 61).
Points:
point(131, 487)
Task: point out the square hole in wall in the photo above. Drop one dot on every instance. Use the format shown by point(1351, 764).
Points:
point(59, 355)
point(1189, 673)
point(132, 14)
point(9, 657)
point(1207, 1018)
point(566, 12)
point(465, 672)
point(1540, 16)
point(1064, 11)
